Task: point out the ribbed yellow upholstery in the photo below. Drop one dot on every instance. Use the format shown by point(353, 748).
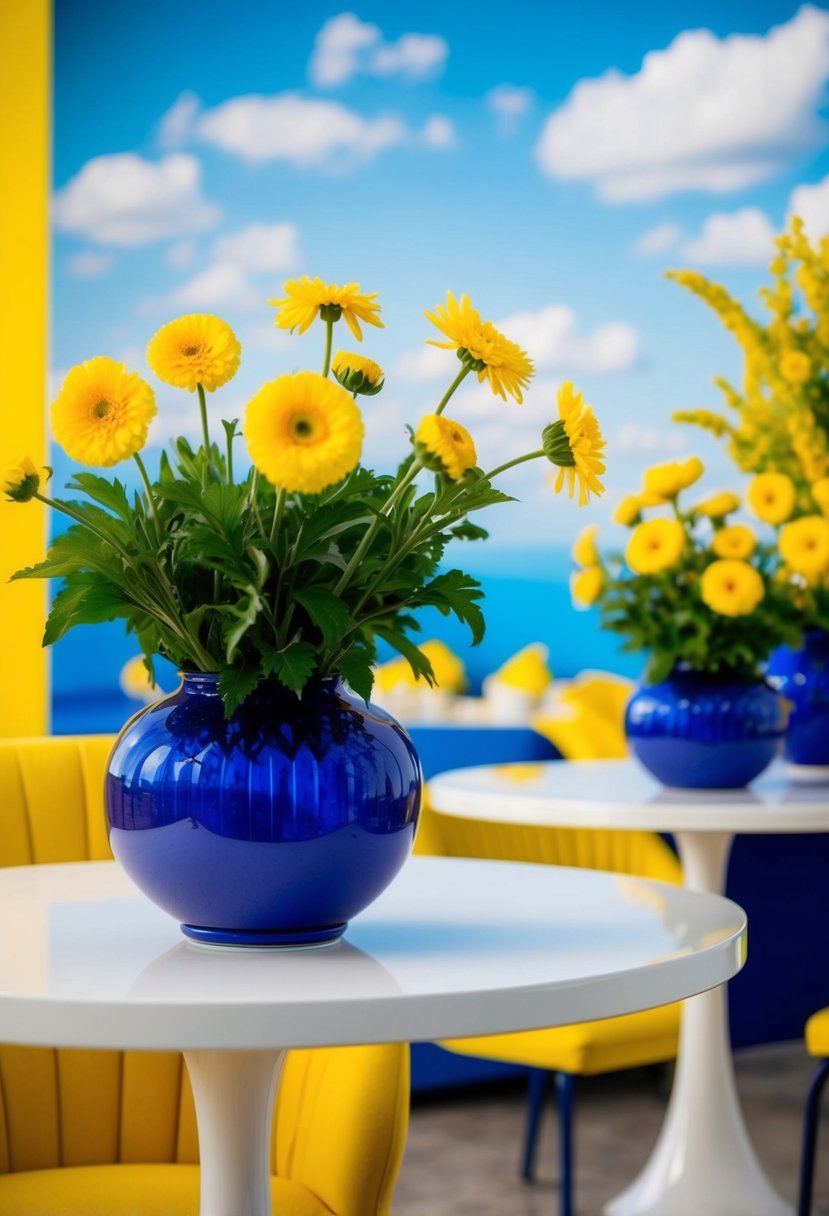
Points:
point(104, 1133)
point(817, 1034)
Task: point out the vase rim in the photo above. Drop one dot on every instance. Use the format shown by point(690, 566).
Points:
point(213, 677)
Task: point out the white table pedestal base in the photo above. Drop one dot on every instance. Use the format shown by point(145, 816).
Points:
point(703, 1161)
point(234, 1094)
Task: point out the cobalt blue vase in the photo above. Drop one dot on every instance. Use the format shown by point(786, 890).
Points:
point(802, 676)
point(271, 828)
point(701, 730)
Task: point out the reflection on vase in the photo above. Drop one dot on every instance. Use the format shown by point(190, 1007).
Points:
point(273, 827)
point(802, 676)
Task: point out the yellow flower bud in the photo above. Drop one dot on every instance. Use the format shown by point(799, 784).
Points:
point(584, 548)
point(628, 511)
point(718, 505)
point(586, 586)
point(21, 481)
point(667, 480)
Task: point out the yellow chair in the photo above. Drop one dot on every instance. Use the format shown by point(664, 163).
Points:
point(107, 1133)
point(817, 1045)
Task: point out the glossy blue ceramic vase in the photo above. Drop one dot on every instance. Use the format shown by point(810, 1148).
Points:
point(802, 676)
point(700, 730)
point(272, 828)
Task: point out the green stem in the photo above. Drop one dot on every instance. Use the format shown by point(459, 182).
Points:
point(142, 469)
point(65, 509)
point(229, 459)
point(279, 507)
point(461, 376)
point(510, 464)
point(203, 410)
point(326, 359)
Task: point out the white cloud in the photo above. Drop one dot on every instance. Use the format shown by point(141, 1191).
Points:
point(811, 203)
point(345, 46)
point(260, 248)
point(183, 253)
point(549, 337)
point(705, 114)
point(428, 363)
point(438, 133)
point(89, 264)
point(125, 200)
point(509, 103)
point(176, 126)
point(262, 335)
point(222, 285)
point(657, 240)
point(638, 439)
point(739, 238)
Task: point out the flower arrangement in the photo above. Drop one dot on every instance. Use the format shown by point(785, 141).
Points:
point(297, 566)
point(692, 587)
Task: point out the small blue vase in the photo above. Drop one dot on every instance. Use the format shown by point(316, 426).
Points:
point(701, 730)
point(802, 676)
point(272, 828)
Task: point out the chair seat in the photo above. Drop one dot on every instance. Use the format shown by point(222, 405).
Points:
point(817, 1034)
point(129, 1190)
point(628, 1041)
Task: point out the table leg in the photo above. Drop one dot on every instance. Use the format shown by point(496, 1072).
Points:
point(234, 1093)
point(703, 1160)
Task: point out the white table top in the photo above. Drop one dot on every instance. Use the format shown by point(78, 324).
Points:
point(452, 947)
point(621, 794)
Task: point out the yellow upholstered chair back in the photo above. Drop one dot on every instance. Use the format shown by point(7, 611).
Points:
point(69, 1107)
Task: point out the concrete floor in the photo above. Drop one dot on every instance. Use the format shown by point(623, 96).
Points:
point(463, 1148)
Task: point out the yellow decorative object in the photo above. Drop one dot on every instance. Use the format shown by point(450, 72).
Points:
point(718, 505)
point(586, 720)
point(655, 546)
point(305, 299)
point(585, 441)
point(303, 432)
point(771, 497)
point(102, 412)
point(804, 545)
point(527, 670)
point(738, 541)
point(584, 549)
point(192, 350)
point(586, 586)
point(445, 446)
point(667, 480)
point(482, 347)
point(449, 670)
point(731, 588)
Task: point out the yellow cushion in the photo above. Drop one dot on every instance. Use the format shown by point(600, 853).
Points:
point(817, 1033)
point(587, 719)
point(129, 1190)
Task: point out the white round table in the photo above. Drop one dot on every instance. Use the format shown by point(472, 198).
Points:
point(453, 947)
point(703, 1161)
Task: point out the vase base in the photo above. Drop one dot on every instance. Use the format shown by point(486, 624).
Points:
point(264, 939)
point(807, 774)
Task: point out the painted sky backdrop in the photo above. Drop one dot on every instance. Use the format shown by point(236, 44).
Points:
point(551, 160)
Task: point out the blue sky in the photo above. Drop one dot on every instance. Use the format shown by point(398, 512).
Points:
point(549, 160)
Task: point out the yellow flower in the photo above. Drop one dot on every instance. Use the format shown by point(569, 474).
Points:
point(738, 541)
point(718, 505)
point(575, 443)
point(804, 545)
point(586, 586)
point(731, 588)
point(628, 510)
point(795, 366)
point(666, 480)
point(771, 497)
point(655, 546)
point(21, 480)
point(357, 374)
point(584, 547)
point(820, 493)
point(102, 413)
point(482, 347)
point(303, 432)
point(444, 446)
point(305, 299)
point(196, 349)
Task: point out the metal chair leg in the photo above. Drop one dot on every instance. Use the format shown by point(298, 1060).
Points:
point(536, 1093)
point(810, 1130)
point(565, 1084)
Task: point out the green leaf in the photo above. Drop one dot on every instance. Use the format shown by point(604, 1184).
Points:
point(417, 660)
point(328, 612)
point(236, 683)
point(84, 603)
point(356, 669)
point(469, 531)
point(292, 665)
point(244, 614)
point(109, 493)
point(457, 592)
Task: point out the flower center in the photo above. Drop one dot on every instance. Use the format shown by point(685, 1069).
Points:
point(102, 409)
point(190, 351)
point(303, 428)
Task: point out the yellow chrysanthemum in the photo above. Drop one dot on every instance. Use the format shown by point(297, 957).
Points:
point(303, 432)
point(444, 446)
point(586, 586)
point(584, 549)
point(575, 443)
point(655, 546)
point(628, 510)
point(738, 541)
point(357, 374)
point(196, 349)
point(667, 480)
point(718, 505)
point(504, 364)
point(21, 480)
point(804, 545)
point(771, 497)
point(102, 412)
point(820, 493)
point(731, 588)
point(795, 366)
point(305, 299)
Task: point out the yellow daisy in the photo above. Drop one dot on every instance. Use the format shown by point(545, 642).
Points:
point(102, 412)
point(731, 588)
point(804, 545)
point(655, 546)
point(192, 350)
point(303, 432)
point(305, 299)
point(718, 505)
point(21, 480)
point(738, 541)
point(483, 347)
point(586, 586)
point(357, 374)
point(666, 480)
point(584, 549)
point(771, 497)
point(445, 446)
point(575, 443)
